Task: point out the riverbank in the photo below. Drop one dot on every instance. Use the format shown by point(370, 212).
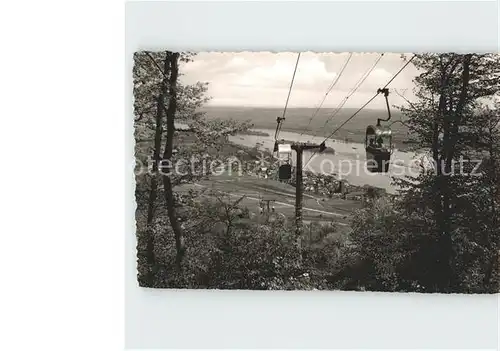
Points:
point(348, 162)
point(298, 120)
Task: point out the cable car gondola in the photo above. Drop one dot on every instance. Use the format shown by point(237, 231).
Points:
point(378, 143)
point(378, 148)
point(284, 158)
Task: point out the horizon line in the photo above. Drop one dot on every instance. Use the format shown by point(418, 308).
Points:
point(289, 107)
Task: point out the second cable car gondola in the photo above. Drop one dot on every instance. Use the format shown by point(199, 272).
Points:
point(378, 142)
point(378, 147)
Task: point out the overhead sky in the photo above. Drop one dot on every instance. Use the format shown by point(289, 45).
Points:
point(263, 78)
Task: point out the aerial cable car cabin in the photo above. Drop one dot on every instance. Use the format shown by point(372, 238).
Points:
point(378, 143)
point(284, 151)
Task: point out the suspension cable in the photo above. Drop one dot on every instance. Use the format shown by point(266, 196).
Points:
point(332, 85)
point(280, 120)
point(353, 90)
point(362, 107)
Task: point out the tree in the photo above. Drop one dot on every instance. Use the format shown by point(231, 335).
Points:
point(451, 90)
point(158, 93)
point(485, 195)
point(142, 107)
point(167, 156)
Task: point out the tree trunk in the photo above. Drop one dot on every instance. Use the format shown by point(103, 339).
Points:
point(153, 192)
point(154, 179)
point(451, 124)
point(167, 156)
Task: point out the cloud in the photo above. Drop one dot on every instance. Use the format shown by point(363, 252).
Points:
point(237, 62)
point(311, 73)
point(263, 79)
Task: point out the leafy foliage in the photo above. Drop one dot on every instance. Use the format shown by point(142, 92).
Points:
point(228, 250)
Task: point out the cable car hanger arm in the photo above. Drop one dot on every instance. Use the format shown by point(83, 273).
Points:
point(279, 121)
point(385, 91)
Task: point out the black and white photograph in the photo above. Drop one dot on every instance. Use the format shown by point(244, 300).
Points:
point(358, 171)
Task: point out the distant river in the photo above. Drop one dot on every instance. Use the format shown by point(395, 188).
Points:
point(348, 162)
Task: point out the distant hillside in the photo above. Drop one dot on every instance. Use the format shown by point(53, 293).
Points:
point(297, 120)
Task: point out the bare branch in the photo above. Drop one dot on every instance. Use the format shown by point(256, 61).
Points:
point(141, 115)
point(238, 201)
point(405, 99)
point(156, 64)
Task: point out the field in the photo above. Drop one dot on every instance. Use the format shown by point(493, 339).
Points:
point(281, 196)
point(297, 120)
